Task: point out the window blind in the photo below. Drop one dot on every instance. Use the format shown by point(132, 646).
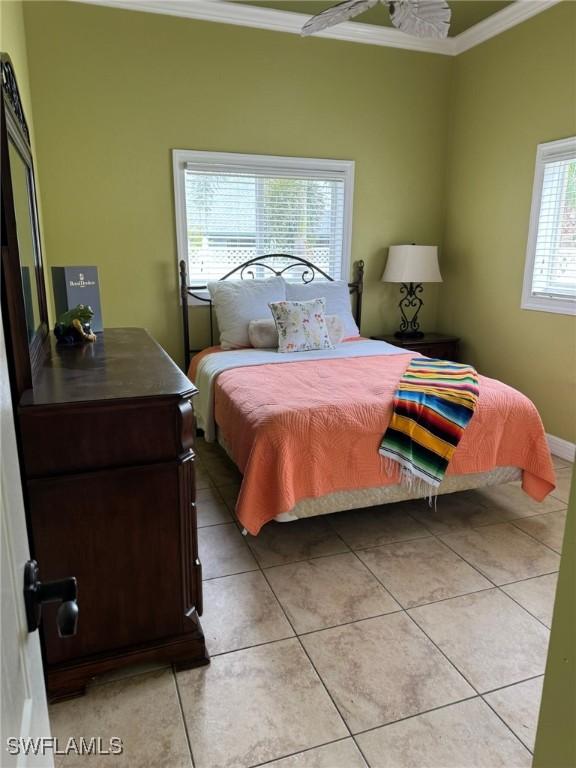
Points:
point(554, 256)
point(234, 214)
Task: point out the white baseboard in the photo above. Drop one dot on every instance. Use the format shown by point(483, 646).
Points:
point(564, 449)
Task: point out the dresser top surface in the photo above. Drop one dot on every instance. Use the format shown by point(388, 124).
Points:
point(122, 363)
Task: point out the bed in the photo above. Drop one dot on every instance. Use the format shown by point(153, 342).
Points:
point(304, 428)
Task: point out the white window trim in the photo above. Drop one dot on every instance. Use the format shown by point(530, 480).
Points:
point(181, 158)
point(549, 151)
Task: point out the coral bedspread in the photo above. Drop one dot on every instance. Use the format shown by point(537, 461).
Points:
point(304, 429)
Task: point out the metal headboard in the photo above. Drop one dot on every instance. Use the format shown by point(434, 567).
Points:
point(308, 271)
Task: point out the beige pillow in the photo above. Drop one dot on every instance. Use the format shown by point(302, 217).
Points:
point(264, 335)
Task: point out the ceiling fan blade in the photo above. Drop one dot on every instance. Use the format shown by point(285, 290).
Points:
point(422, 18)
point(337, 14)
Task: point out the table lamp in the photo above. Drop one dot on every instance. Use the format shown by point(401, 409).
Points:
point(411, 265)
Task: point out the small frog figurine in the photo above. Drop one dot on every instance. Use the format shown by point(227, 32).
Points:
point(73, 326)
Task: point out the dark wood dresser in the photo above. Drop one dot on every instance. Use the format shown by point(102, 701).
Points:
point(107, 435)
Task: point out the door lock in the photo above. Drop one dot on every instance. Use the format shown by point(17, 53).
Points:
point(36, 592)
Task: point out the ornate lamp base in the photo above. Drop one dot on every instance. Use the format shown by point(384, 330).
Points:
point(410, 327)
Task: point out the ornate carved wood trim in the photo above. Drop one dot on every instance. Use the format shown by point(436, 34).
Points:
point(12, 93)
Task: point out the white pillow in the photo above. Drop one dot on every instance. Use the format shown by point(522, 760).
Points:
point(236, 302)
point(301, 325)
point(263, 333)
point(337, 295)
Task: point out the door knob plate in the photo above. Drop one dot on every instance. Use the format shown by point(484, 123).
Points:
point(36, 592)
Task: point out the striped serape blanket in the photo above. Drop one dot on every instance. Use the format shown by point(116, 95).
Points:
point(433, 404)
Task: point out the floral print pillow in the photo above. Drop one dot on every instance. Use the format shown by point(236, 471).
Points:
point(301, 325)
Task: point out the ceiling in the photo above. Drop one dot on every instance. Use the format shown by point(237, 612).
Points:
point(465, 13)
point(473, 21)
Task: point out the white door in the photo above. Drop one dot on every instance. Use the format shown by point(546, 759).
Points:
point(24, 712)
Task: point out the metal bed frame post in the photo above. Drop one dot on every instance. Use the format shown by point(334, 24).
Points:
point(359, 283)
point(185, 318)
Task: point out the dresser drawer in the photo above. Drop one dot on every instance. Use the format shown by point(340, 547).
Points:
point(129, 537)
point(113, 433)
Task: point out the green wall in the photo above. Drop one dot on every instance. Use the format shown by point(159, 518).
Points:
point(115, 91)
point(508, 95)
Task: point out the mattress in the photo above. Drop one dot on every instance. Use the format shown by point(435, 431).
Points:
point(340, 501)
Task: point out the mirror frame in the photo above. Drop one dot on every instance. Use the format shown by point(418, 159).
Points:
point(26, 356)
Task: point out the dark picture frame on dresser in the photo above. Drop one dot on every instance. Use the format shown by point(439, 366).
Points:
point(106, 436)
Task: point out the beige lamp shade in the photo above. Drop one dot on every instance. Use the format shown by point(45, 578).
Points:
point(412, 264)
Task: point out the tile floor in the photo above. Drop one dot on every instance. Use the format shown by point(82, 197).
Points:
point(396, 637)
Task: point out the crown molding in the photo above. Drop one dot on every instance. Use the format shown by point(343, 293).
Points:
point(278, 21)
point(224, 12)
point(499, 22)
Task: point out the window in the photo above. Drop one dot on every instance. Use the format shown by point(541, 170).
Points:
point(231, 208)
point(550, 273)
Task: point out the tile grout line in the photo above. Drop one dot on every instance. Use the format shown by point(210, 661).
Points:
point(452, 664)
point(528, 578)
point(475, 697)
point(478, 693)
point(362, 753)
point(214, 525)
point(225, 575)
point(499, 716)
point(182, 714)
point(297, 637)
point(477, 568)
point(526, 609)
point(474, 567)
point(449, 704)
point(511, 685)
point(486, 525)
point(527, 533)
point(500, 588)
point(400, 608)
point(308, 749)
point(496, 586)
point(419, 605)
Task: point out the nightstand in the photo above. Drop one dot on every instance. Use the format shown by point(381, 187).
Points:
point(431, 345)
